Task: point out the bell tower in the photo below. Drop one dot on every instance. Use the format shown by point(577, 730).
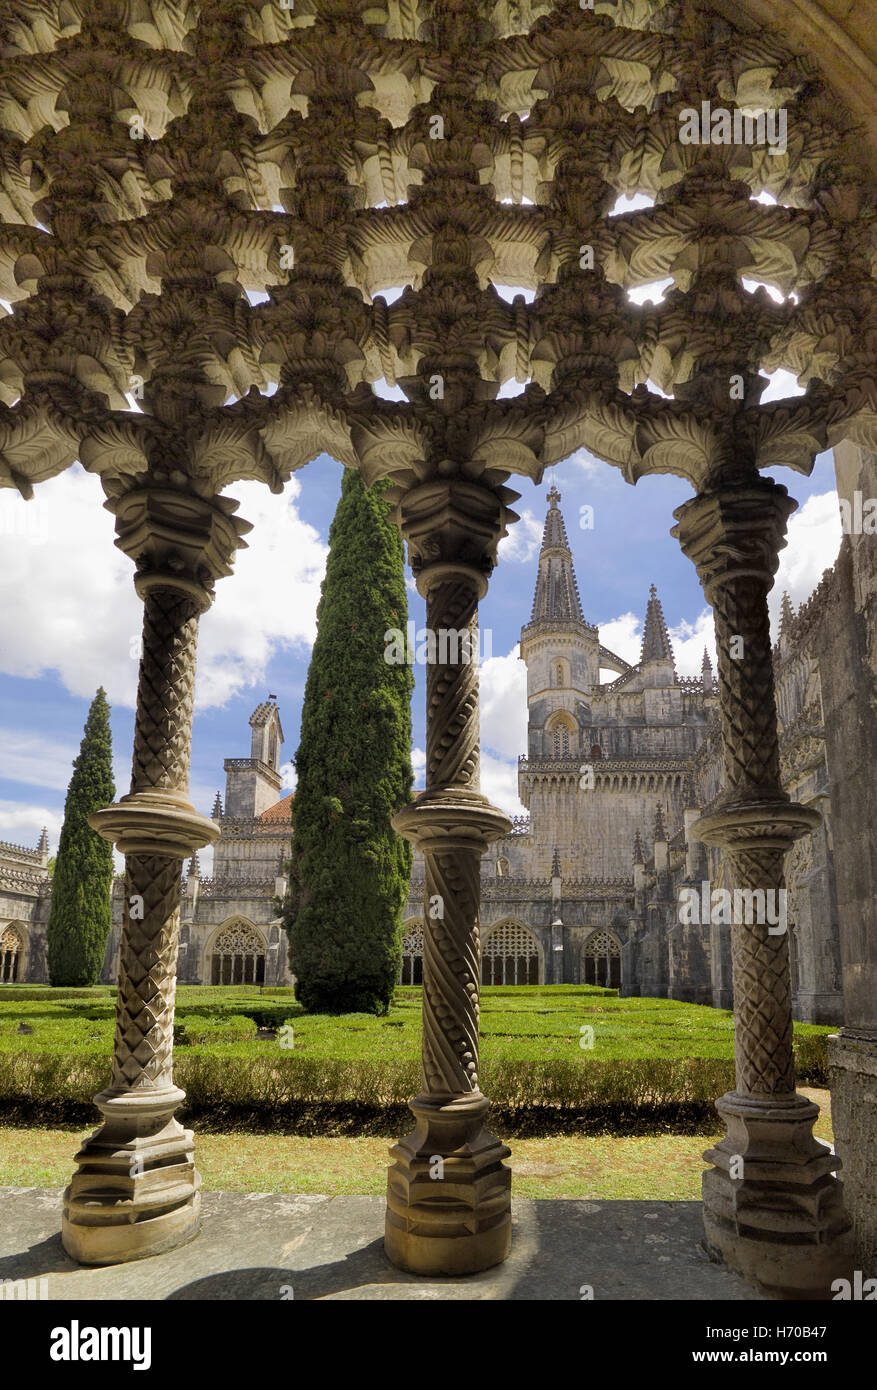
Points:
point(253, 784)
point(561, 650)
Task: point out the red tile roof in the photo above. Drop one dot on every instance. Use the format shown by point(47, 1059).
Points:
point(280, 813)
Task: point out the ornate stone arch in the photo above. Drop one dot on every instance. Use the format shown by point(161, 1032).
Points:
point(601, 959)
point(412, 952)
point(13, 952)
point(561, 730)
point(511, 955)
point(236, 953)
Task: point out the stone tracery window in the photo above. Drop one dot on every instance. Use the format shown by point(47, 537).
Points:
point(412, 957)
point(602, 960)
point(238, 956)
point(510, 956)
point(11, 950)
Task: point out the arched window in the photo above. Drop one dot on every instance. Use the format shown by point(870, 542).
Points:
point(596, 751)
point(561, 741)
point(502, 868)
point(11, 946)
point(510, 956)
point(602, 960)
point(412, 957)
point(238, 956)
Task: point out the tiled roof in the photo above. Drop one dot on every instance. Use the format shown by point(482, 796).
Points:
point(279, 813)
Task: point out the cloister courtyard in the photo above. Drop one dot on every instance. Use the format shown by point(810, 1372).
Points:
point(592, 1018)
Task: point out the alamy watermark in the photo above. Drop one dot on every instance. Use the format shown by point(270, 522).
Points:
point(716, 125)
point(738, 907)
point(448, 646)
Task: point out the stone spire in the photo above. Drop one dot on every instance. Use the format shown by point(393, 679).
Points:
point(555, 864)
point(194, 866)
point(660, 832)
point(787, 618)
point(557, 593)
point(638, 852)
point(43, 845)
point(656, 641)
point(706, 673)
point(217, 808)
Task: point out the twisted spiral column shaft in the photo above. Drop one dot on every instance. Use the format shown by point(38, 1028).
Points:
point(451, 960)
point(143, 1048)
point(734, 538)
point(764, 1060)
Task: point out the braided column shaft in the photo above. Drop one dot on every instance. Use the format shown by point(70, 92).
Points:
point(451, 958)
point(165, 692)
point(143, 1049)
point(763, 1053)
point(734, 538)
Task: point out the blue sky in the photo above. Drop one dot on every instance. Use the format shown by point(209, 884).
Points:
point(69, 619)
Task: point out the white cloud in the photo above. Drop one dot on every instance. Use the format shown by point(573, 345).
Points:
point(418, 764)
point(522, 541)
point(21, 823)
point(586, 461)
point(269, 602)
point(689, 641)
point(67, 601)
point(35, 759)
point(503, 699)
point(499, 783)
point(814, 537)
point(623, 636)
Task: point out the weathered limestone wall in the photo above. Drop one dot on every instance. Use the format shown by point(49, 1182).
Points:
point(848, 663)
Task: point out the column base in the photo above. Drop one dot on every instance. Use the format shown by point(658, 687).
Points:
point(773, 1208)
point(452, 1217)
point(137, 1192)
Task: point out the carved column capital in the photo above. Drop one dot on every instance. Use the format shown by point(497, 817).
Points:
point(453, 528)
point(735, 533)
point(178, 539)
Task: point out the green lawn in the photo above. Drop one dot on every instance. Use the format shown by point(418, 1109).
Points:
point(517, 1023)
point(659, 1167)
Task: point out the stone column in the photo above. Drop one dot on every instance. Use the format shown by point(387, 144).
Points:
point(772, 1206)
point(448, 1191)
point(136, 1191)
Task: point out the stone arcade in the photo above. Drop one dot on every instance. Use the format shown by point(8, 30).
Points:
point(584, 890)
point(325, 154)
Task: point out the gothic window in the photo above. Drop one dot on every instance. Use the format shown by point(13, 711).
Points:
point(596, 751)
point(238, 957)
point(561, 741)
point(412, 957)
point(602, 960)
point(510, 956)
point(10, 955)
point(502, 868)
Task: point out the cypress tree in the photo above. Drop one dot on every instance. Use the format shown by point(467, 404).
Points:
point(349, 869)
point(80, 912)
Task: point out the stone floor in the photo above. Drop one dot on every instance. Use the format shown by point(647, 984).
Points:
point(264, 1246)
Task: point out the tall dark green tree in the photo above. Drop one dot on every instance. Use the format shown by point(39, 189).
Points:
point(349, 869)
point(80, 912)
